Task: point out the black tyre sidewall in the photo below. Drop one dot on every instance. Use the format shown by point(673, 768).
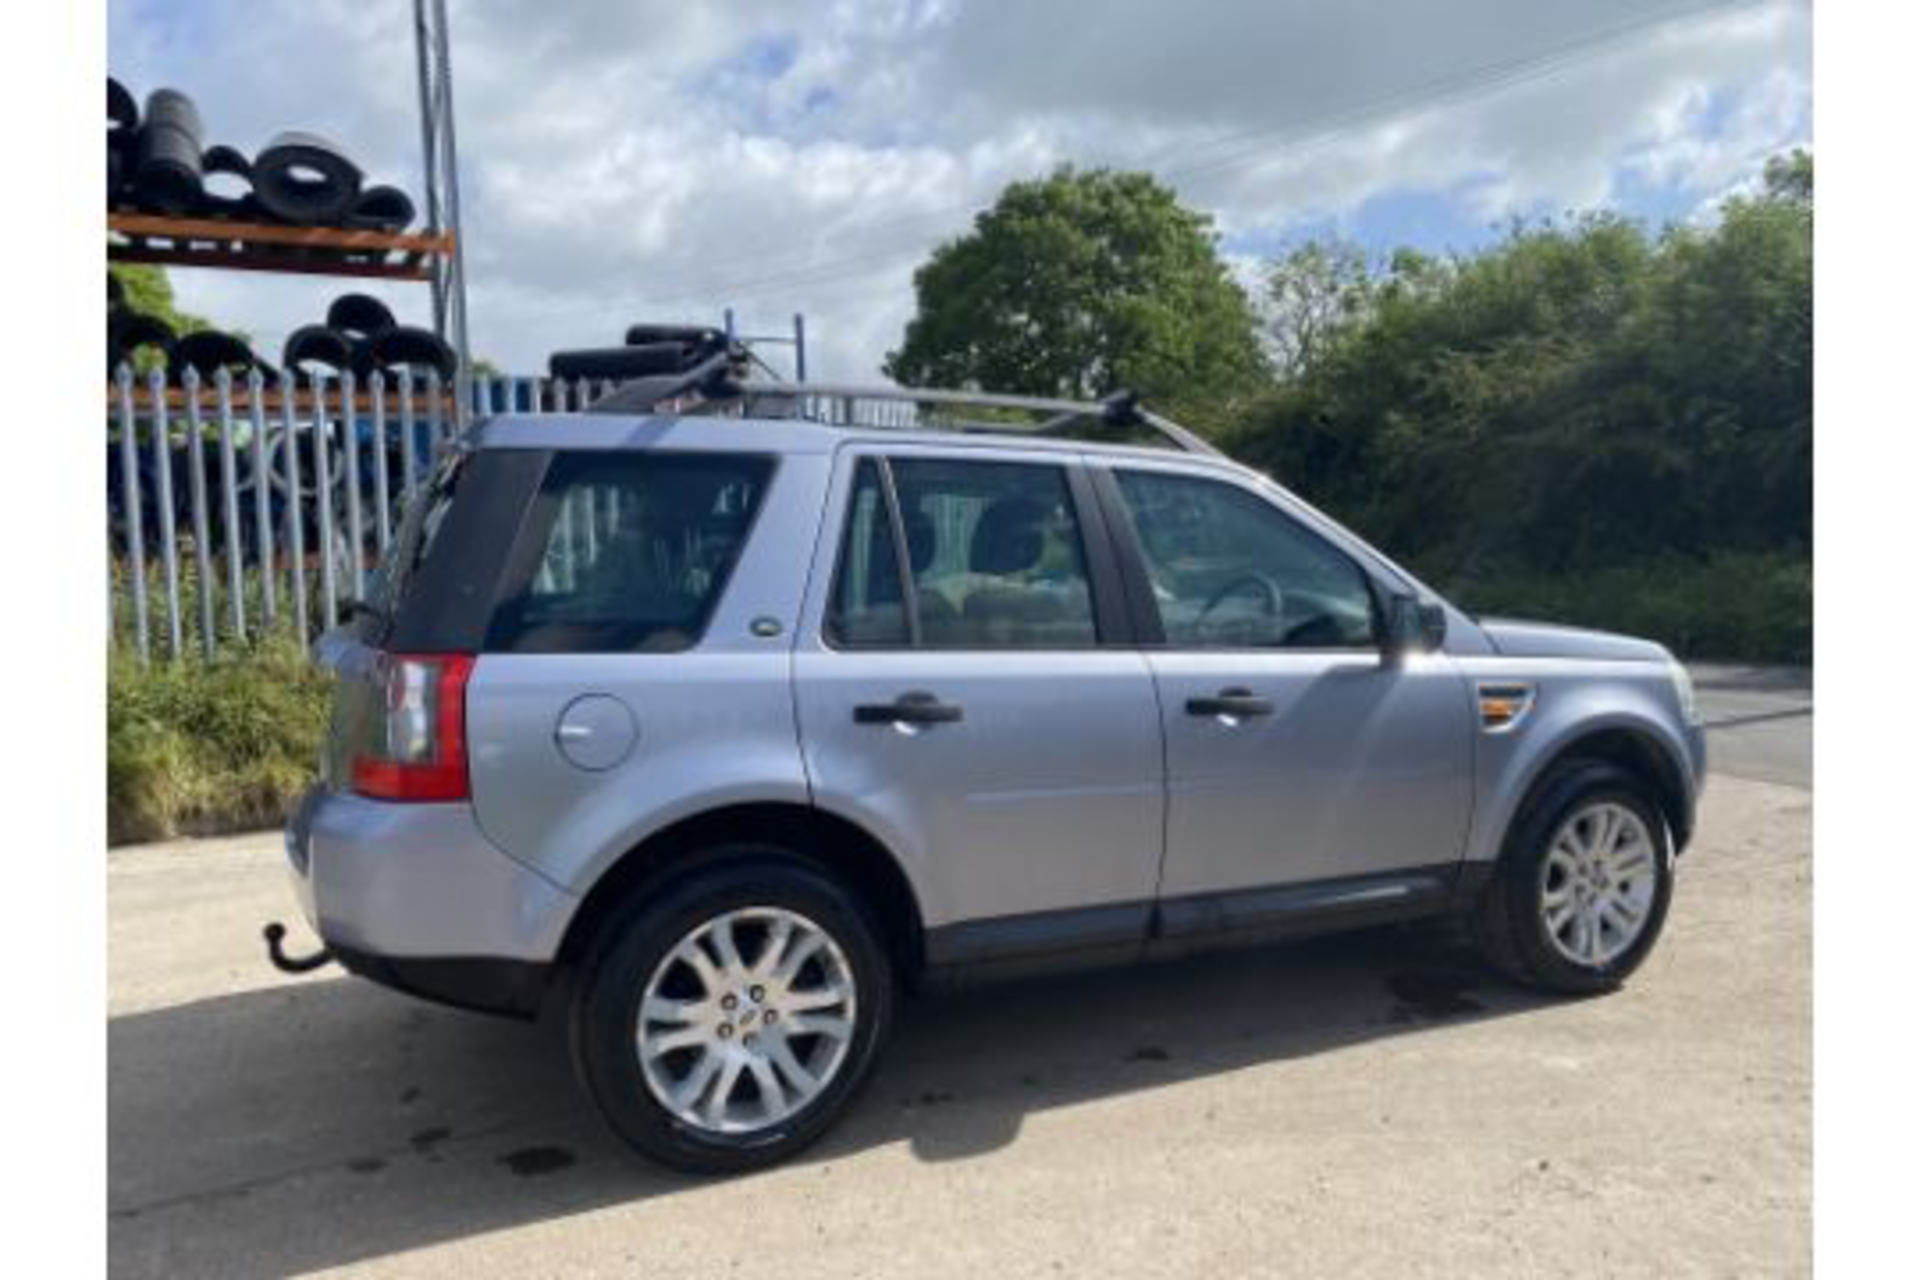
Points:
point(1573, 787)
point(633, 943)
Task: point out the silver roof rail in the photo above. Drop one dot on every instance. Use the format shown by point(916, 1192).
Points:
point(839, 404)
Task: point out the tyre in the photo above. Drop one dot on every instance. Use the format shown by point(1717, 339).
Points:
point(304, 179)
point(730, 1018)
point(1581, 891)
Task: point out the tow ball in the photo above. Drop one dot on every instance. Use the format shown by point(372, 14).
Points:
point(276, 935)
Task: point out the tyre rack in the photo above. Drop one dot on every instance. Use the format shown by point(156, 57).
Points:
point(432, 255)
point(273, 398)
point(249, 246)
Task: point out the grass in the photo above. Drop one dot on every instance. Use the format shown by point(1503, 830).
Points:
point(199, 747)
point(202, 746)
point(218, 590)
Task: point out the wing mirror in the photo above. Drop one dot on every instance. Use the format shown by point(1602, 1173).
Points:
point(1412, 626)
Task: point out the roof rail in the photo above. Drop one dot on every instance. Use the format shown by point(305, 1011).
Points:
point(838, 404)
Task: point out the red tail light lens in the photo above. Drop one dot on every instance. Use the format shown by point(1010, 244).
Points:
point(422, 749)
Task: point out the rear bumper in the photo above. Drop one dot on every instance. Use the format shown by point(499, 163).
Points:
point(415, 897)
point(514, 988)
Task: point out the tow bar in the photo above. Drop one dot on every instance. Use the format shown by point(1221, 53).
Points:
point(276, 934)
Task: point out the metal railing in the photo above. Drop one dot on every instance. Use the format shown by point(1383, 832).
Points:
point(239, 508)
point(245, 508)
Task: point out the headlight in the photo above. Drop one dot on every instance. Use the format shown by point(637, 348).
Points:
point(1683, 689)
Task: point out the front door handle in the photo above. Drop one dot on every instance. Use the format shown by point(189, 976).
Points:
point(1236, 704)
point(916, 707)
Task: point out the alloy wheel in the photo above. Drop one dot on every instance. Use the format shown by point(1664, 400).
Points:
point(1598, 883)
point(746, 1020)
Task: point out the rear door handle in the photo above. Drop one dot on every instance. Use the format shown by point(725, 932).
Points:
point(917, 707)
point(1235, 703)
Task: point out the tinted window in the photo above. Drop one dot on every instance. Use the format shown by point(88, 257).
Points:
point(1230, 570)
point(993, 551)
point(633, 551)
point(420, 525)
point(867, 608)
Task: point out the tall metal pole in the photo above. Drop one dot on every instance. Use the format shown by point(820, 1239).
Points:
point(429, 164)
point(440, 164)
point(450, 161)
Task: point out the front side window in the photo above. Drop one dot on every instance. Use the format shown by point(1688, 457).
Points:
point(993, 553)
point(1229, 570)
point(633, 551)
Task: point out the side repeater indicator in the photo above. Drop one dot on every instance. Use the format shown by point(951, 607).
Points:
point(1502, 706)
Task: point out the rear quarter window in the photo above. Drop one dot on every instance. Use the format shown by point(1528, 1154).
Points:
point(627, 553)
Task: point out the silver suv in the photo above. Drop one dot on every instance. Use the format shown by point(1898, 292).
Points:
point(727, 725)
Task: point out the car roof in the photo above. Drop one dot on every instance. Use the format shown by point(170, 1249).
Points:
point(728, 434)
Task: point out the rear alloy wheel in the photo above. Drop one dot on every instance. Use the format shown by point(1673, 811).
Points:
point(730, 1018)
point(1581, 891)
point(746, 1021)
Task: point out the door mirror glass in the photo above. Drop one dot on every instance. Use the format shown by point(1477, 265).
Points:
point(1412, 626)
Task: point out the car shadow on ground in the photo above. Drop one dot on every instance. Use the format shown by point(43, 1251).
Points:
point(319, 1123)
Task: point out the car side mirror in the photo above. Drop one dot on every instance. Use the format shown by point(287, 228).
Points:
point(1412, 626)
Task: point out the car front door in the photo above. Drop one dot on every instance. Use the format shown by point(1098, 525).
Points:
point(1297, 755)
point(966, 692)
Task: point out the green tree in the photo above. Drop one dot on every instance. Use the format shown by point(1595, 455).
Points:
point(148, 291)
point(1311, 295)
point(1581, 402)
point(1081, 284)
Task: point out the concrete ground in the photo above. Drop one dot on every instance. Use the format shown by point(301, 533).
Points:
point(1373, 1105)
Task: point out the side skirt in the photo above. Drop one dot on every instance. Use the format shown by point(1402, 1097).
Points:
point(1004, 947)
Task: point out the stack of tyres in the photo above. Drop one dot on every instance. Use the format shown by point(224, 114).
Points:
point(159, 161)
point(360, 336)
point(147, 344)
point(123, 127)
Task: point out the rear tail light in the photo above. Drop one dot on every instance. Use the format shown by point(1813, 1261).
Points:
point(420, 745)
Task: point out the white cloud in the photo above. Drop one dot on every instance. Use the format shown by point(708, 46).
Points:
point(628, 160)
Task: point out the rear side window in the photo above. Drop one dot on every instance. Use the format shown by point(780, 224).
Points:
point(868, 602)
point(628, 553)
point(994, 559)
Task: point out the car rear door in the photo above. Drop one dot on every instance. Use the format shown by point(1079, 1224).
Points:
point(967, 690)
point(1296, 755)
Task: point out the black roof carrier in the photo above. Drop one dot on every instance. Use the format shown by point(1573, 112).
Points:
point(659, 363)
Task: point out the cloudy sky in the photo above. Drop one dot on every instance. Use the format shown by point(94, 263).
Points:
point(661, 159)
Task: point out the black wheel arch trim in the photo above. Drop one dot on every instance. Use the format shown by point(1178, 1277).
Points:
point(1634, 750)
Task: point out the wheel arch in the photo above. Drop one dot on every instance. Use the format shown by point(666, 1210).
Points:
point(833, 844)
point(1632, 748)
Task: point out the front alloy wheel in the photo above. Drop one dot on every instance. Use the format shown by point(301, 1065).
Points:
point(1597, 883)
point(1580, 892)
